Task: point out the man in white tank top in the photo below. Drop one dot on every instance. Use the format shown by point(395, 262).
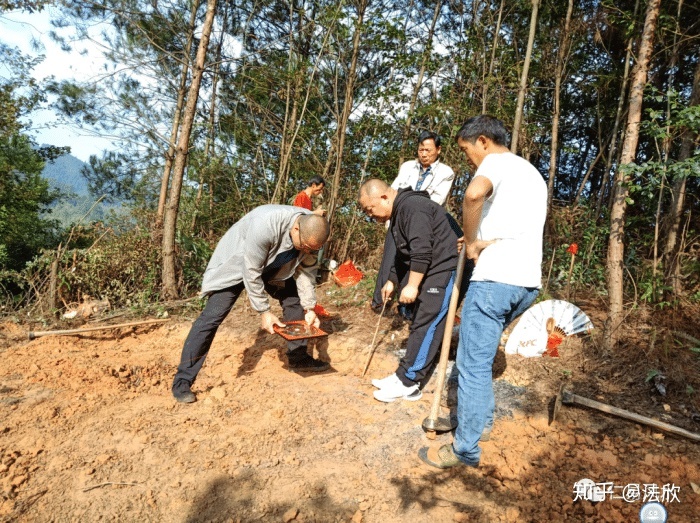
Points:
point(504, 210)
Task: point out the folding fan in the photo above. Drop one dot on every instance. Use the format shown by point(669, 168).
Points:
point(543, 327)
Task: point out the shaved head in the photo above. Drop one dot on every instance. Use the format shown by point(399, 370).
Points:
point(314, 229)
point(377, 199)
point(373, 187)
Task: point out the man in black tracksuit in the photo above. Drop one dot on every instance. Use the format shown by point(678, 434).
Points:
point(426, 249)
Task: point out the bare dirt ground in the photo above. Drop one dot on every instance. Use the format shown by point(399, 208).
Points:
point(90, 432)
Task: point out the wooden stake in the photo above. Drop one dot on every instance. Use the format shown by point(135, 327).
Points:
point(568, 280)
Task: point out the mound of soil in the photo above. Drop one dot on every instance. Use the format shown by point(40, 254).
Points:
point(90, 432)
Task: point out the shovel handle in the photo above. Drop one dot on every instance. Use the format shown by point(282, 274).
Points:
point(447, 337)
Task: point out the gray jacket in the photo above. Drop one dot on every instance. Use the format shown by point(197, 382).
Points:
point(252, 244)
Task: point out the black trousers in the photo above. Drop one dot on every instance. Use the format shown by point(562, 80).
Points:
point(428, 327)
point(219, 304)
point(388, 259)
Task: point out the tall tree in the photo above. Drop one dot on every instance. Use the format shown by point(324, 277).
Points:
point(517, 121)
point(559, 69)
point(177, 114)
point(170, 288)
point(427, 50)
point(494, 46)
point(612, 150)
point(348, 101)
point(671, 251)
point(616, 241)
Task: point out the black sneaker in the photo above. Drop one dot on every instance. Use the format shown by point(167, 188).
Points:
point(307, 363)
point(183, 394)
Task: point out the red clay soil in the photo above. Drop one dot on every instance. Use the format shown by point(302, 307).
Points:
point(90, 432)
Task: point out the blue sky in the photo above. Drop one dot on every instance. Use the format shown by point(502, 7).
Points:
point(30, 33)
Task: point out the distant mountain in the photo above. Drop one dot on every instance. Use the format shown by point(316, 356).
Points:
point(64, 174)
point(75, 202)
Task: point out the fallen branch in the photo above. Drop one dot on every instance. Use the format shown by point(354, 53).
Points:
point(37, 334)
point(106, 484)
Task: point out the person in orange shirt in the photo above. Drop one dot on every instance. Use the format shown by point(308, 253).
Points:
point(314, 188)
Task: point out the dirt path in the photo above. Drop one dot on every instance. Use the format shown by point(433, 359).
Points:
point(90, 432)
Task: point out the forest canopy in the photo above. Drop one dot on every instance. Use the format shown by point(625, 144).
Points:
point(217, 107)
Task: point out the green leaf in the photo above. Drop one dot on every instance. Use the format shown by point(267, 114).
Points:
point(650, 375)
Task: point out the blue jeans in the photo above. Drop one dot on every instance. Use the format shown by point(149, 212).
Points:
point(487, 310)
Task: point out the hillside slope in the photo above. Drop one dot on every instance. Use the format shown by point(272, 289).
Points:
point(64, 174)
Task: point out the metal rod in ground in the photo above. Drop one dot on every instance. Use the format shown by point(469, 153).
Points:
point(371, 347)
point(38, 334)
point(430, 424)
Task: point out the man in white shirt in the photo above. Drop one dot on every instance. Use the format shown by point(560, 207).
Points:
point(425, 173)
point(504, 211)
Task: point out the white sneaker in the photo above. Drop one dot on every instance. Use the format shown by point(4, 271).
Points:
point(380, 384)
point(398, 391)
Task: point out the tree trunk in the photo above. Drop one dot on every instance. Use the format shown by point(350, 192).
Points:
point(485, 87)
point(211, 140)
point(670, 258)
point(419, 82)
point(582, 185)
point(616, 245)
point(332, 151)
point(170, 290)
point(347, 107)
point(523, 79)
point(291, 107)
point(558, 77)
point(616, 126)
point(365, 165)
point(666, 147)
point(211, 134)
point(581, 164)
point(293, 123)
point(170, 155)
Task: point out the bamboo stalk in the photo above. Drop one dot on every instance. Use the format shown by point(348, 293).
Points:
point(38, 334)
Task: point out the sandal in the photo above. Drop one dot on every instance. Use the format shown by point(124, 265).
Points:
point(442, 458)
